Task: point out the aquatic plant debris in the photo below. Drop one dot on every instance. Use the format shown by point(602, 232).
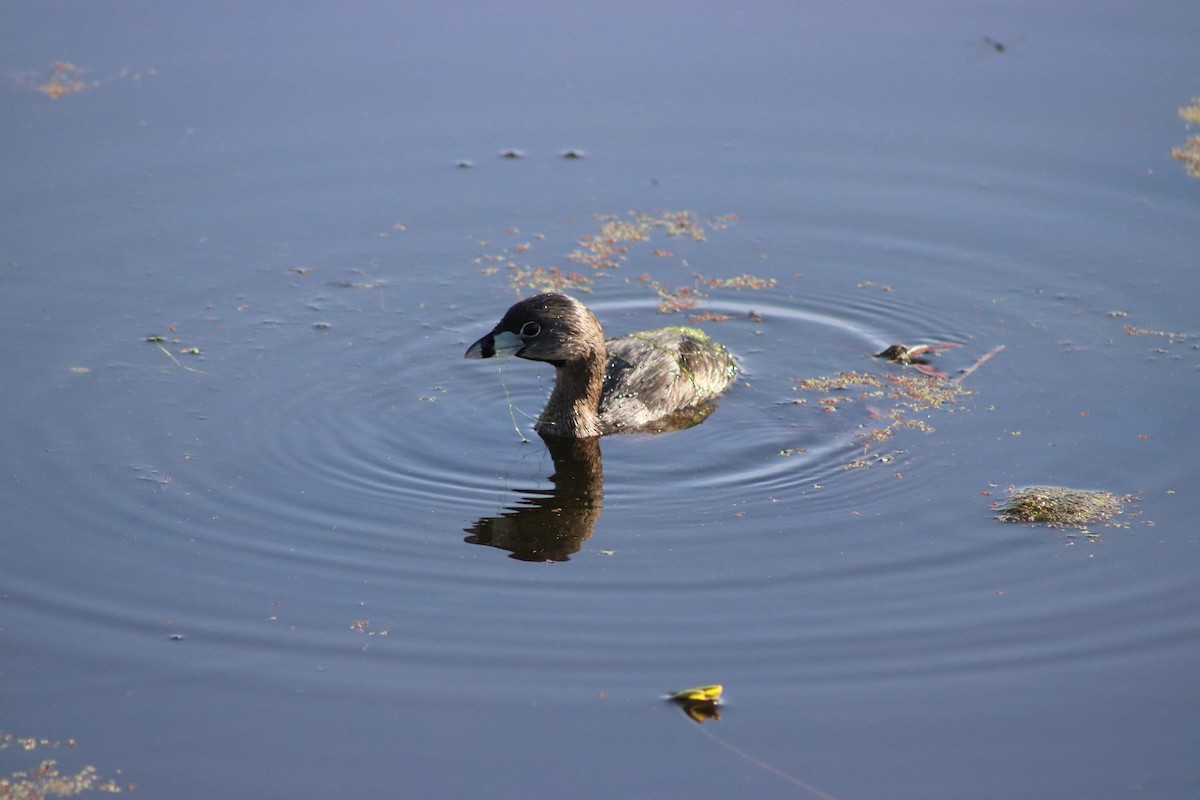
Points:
point(903, 354)
point(46, 779)
point(1189, 151)
point(1058, 507)
point(160, 342)
point(700, 702)
point(1171, 336)
point(710, 693)
point(598, 253)
point(906, 392)
point(915, 356)
point(65, 78)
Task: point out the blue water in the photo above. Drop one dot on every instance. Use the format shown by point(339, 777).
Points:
point(244, 571)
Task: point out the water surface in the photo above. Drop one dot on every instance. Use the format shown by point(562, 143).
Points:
point(246, 467)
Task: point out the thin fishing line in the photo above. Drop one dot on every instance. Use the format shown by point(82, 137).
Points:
point(517, 428)
point(776, 771)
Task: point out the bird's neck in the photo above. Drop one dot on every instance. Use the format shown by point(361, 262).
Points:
point(574, 405)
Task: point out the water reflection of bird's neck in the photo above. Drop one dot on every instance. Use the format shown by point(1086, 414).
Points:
point(578, 469)
point(550, 525)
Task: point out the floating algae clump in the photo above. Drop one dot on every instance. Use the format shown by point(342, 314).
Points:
point(1189, 151)
point(1057, 506)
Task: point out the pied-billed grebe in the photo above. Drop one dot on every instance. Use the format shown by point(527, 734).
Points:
point(640, 382)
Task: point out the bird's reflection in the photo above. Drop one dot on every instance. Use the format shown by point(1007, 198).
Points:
point(551, 524)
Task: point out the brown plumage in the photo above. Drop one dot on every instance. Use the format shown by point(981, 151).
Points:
point(657, 380)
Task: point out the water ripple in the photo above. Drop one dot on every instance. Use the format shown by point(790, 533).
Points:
point(371, 479)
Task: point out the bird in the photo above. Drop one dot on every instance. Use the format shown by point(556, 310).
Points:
point(651, 381)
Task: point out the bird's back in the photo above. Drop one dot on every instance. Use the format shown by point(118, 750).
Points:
point(654, 378)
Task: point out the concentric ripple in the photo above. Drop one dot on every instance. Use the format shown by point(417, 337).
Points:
point(339, 480)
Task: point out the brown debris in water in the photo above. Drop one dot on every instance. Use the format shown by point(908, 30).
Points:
point(66, 78)
point(700, 703)
point(744, 281)
point(45, 779)
point(903, 354)
point(549, 279)
point(1058, 507)
point(902, 394)
point(609, 246)
point(1189, 152)
point(915, 357)
point(1171, 336)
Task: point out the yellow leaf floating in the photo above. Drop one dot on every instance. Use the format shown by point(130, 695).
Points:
point(709, 694)
point(699, 702)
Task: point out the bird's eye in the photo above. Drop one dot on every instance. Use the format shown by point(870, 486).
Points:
point(530, 329)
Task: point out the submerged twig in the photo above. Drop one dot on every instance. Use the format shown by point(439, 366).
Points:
point(978, 363)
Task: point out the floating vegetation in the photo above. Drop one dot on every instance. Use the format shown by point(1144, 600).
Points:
point(700, 703)
point(512, 154)
point(1171, 336)
point(605, 249)
point(916, 392)
point(363, 626)
point(549, 279)
point(1168, 339)
point(571, 155)
point(681, 298)
point(46, 779)
point(711, 693)
point(906, 393)
point(671, 299)
point(890, 398)
point(1189, 151)
point(709, 316)
point(744, 281)
point(903, 354)
point(161, 343)
point(1058, 507)
point(65, 78)
point(915, 356)
point(1191, 114)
